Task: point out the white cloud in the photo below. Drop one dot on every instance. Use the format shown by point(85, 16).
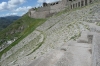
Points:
point(16, 2)
point(8, 14)
point(47, 1)
point(10, 4)
point(3, 6)
point(23, 9)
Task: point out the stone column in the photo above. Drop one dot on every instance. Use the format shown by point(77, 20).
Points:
point(80, 4)
point(71, 6)
point(88, 2)
point(76, 5)
point(84, 3)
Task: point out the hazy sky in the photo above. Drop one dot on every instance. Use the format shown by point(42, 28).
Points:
point(19, 7)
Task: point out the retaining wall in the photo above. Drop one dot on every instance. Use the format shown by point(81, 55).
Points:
point(47, 8)
point(96, 50)
point(42, 14)
point(51, 8)
point(56, 8)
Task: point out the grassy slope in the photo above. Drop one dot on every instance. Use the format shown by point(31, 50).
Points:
point(30, 25)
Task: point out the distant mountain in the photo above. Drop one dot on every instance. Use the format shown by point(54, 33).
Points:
point(6, 21)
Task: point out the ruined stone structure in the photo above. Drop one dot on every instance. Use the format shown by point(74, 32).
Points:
point(70, 39)
point(48, 9)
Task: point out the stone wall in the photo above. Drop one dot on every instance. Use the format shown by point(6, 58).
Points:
point(47, 8)
point(96, 50)
point(40, 14)
point(80, 3)
point(56, 8)
point(51, 8)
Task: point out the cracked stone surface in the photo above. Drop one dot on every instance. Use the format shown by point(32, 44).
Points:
point(76, 54)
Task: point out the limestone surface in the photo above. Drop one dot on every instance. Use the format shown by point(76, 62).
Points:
point(65, 40)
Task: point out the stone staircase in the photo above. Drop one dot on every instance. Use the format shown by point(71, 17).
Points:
point(54, 42)
point(70, 54)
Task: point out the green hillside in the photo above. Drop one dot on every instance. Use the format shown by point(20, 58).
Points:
point(19, 29)
point(6, 21)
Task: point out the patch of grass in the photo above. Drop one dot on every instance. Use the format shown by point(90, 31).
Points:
point(59, 13)
point(62, 12)
point(38, 46)
point(76, 36)
point(87, 27)
point(69, 26)
point(29, 24)
point(98, 23)
point(73, 37)
point(35, 57)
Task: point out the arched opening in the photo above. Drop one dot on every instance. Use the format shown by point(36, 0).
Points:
point(90, 1)
point(78, 4)
point(73, 5)
point(85, 2)
point(82, 2)
point(70, 0)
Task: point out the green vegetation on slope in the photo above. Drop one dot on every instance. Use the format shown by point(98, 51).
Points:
point(28, 25)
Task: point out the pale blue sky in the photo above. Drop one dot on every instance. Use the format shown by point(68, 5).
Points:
point(19, 7)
